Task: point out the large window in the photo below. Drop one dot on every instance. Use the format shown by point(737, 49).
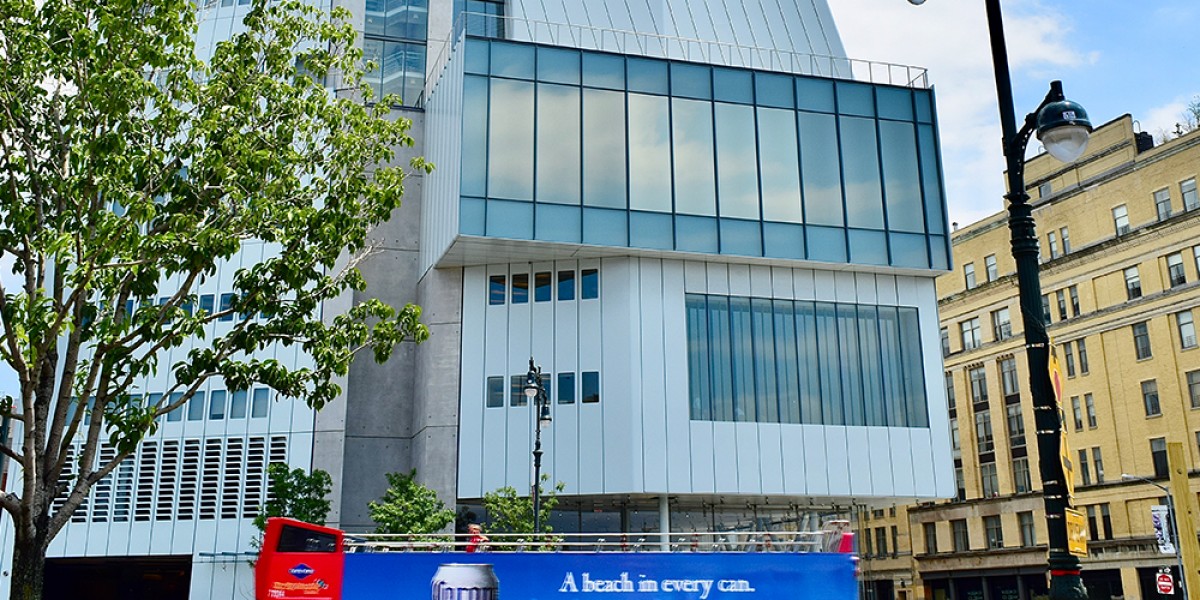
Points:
point(1022, 478)
point(1016, 424)
point(989, 264)
point(1090, 404)
point(1025, 524)
point(784, 361)
point(1068, 354)
point(1133, 283)
point(1085, 474)
point(995, 532)
point(1001, 324)
point(1081, 344)
point(969, 275)
point(931, 545)
point(983, 431)
point(1098, 464)
point(1009, 380)
point(1150, 398)
point(1141, 340)
point(1187, 189)
point(1061, 297)
point(1162, 203)
point(1073, 291)
point(978, 379)
point(989, 480)
point(1077, 413)
point(1193, 386)
point(1052, 239)
point(945, 334)
point(1066, 240)
point(958, 530)
point(969, 332)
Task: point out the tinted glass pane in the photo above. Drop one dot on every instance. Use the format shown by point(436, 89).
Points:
point(827, 244)
point(908, 250)
point(603, 148)
point(773, 90)
point(590, 284)
point(901, 177)
point(766, 396)
point(809, 357)
point(558, 137)
point(206, 304)
point(779, 162)
point(931, 179)
point(558, 223)
point(496, 289)
point(237, 405)
point(893, 372)
point(868, 247)
point(732, 86)
point(195, 407)
point(699, 369)
point(495, 392)
point(566, 285)
point(860, 169)
point(591, 387)
point(855, 99)
point(829, 357)
point(814, 94)
point(820, 169)
point(651, 230)
point(695, 171)
point(691, 81)
point(512, 60)
point(720, 347)
point(737, 172)
point(177, 414)
point(566, 388)
point(474, 136)
point(509, 219)
point(558, 65)
point(741, 237)
point(520, 288)
point(603, 71)
point(510, 140)
point(216, 405)
point(852, 393)
point(542, 283)
point(516, 391)
point(871, 365)
point(259, 405)
point(787, 373)
point(743, 360)
point(646, 75)
point(649, 153)
point(605, 226)
point(476, 60)
point(917, 411)
point(894, 103)
point(696, 234)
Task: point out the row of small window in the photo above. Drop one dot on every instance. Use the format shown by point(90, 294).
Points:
point(993, 530)
point(1162, 204)
point(215, 405)
point(1150, 398)
point(880, 548)
point(991, 271)
point(1176, 274)
point(588, 390)
point(1185, 325)
point(207, 303)
point(546, 287)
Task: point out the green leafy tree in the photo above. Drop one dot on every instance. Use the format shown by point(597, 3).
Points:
point(129, 165)
point(409, 507)
point(297, 494)
point(511, 513)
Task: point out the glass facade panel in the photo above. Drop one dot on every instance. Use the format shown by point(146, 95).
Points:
point(779, 165)
point(737, 173)
point(510, 140)
point(474, 136)
point(695, 171)
point(860, 170)
point(820, 167)
point(766, 397)
point(902, 177)
point(604, 149)
point(558, 65)
point(691, 81)
point(558, 144)
point(649, 153)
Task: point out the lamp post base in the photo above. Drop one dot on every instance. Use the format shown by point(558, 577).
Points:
point(1066, 583)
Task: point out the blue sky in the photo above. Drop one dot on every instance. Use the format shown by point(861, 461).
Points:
point(1114, 57)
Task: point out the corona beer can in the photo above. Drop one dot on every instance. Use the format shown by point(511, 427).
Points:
point(455, 581)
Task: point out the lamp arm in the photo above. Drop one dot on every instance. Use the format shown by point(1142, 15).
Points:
point(1014, 148)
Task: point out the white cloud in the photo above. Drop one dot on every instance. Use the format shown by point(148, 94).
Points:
point(1163, 118)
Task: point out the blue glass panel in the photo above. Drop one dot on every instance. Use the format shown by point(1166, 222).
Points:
point(743, 238)
point(737, 175)
point(513, 220)
point(649, 153)
point(870, 366)
point(206, 304)
point(474, 136)
point(603, 148)
point(566, 388)
point(543, 286)
point(696, 234)
point(605, 227)
point(177, 414)
point(645, 75)
point(559, 156)
point(558, 65)
point(787, 365)
point(829, 363)
point(892, 372)
point(566, 285)
point(868, 247)
point(691, 81)
point(695, 166)
point(733, 86)
point(237, 405)
point(901, 177)
point(742, 354)
point(931, 179)
point(520, 288)
point(559, 223)
point(495, 392)
point(937, 248)
point(216, 405)
point(820, 169)
point(860, 171)
point(774, 90)
point(779, 165)
point(908, 250)
point(781, 240)
point(650, 230)
point(195, 407)
point(762, 350)
point(603, 71)
point(472, 214)
point(510, 140)
point(853, 409)
point(917, 411)
point(809, 362)
point(476, 53)
point(924, 104)
point(894, 103)
point(590, 384)
point(826, 244)
point(497, 290)
point(854, 98)
point(721, 350)
point(815, 94)
point(589, 284)
point(699, 369)
point(512, 60)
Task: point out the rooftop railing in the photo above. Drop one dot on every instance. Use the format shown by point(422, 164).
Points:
point(754, 541)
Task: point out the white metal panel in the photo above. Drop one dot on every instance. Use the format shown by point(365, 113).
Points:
point(813, 456)
point(881, 462)
point(619, 384)
point(565, 459)
point(935, 391)
point(695, 277)
point(725, 459)
point(858, 455)
point(770, 453)
point(924, 473)
point(782, 283)
point(718, 279)
point(837, 460)
point(495, 361)
point(677, 411)
point(703, 438)
point(824, 287)
point(749, 460)
point(845, 287)
point(472, 383)
point(739, 280)
point(885, 287)
point(520, 419)
point(865, 289)
point(760, 281)
point(651, 428)
point(903, 476)
point(592, 338)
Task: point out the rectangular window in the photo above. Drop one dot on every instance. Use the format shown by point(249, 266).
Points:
point(1158, 456)
point(566, 388)
point(955, 438)
point(1120, 219)
point(520, 288)
point(1068, 354)
point(516, 391)
point(177, 414)
point(989, 265)
point(497, 289)
point(1022, 477)
point(1090, 404)
point(1187, 329)
point(1061, 297)
point(1093, 524)
point(1141, 340)
point(1085, 475)
point(1175, 273)
point(237, 405)
point(950, 398)
point(1016, 425)
point(945, 332)
point(989, 480)
point(960, 485)
point(1133, 283)
point(1081, 344)
point(591, 387)
point(969, 275)
point(969, 332)
point(589, 284)
point(983, 431)
point(1008, 376)
point(260, 403)
point(216, 405)
point(226, 307)
point(1162, 203)
point(1025, 524)
point(1106, 521)
point(1001, 324)
point(1073, 292)
point(206, 303)
point(1098, 464)
point(566, 285)
point(495, 392)
point(995, 532)
point(1066, 240)
point(958, 528)
point(930, 530)
point(195, 407)
point(1193, 384)
point(1052, 239)
point(881, 544)
point(978, 379)
point(1077, 413)
point(1150, 398)
point(1045, 190)
point(1046, 309)
point(543, 286)
point(1187, 189)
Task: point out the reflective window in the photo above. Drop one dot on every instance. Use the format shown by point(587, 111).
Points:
point(542, 286)
point(590, 383)
point(649, 153)
point(603, 149)
point(901, 176)
point(497, 289)
point(779, 165)
point(237, 405)
point(206, 304)
point(495, 392)
point(589, 284)
point(860, 170)
point(1187, 189)
point(260, 402)
point(516, 390)
point(399, 69)
point(695, 170)
point(177, 414)
point(566, 388)
point(566, 285)
point(195, 407)
point(737, 173)
point(820, 169)
point(216, 405)
point(520, 288)
point(510, 140)
point(558, 144)
point(474, 136)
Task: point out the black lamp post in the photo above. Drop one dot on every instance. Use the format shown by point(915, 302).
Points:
point(535, 391)
point(1063, 127)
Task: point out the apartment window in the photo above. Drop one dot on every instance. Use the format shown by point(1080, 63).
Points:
point(868, 550)
point(1098, 464)
point(1052, 238)
point(1187, 189)
point(1025, 524)
point(1008, 376)
point(1193, 383)
point(983, 431)
point(237, 404)
point(989, 267)
point(995, 532)
point(1061, 297)
point(1069, 358)
point(1133, 283)
point(1081, 344)
point(1001, 324)
point(1120, 219)
point(945, 342)
point(1187, 329)
point(497, 289)
point(216, 405)
point(950, 399)
point(1106, 521)
point(1090, 404)
point(989, 480)
point(1084, 474)
point(259, 402)
point(566, 285)
point(978, 379)
point(1077, 413)
point(969, 275)
point(1066, 240)
point(1175, 273)
point(1022, 476)
point(969, 331)
point(195, 407)
point(895, 537)
point(1093, 524)
point(1073, 292)
point(1150, 398)
point(1158, 456)
point(1141, 340)
point(495, 392)
point(1016, 424)
point(1162, 203)
point(1046, 309)
point(958, 530)
point(881, 544)
point(930, 530)
point(566, 388)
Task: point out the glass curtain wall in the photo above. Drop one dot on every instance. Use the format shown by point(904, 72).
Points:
point(394, 37)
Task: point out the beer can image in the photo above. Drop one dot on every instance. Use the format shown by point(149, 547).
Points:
point(459, 581)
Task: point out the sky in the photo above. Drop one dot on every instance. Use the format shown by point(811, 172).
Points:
point(1113, 57)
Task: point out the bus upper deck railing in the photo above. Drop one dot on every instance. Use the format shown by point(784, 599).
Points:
point(752, 541)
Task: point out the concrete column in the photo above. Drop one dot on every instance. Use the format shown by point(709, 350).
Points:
point(664, 523)
point(1131, 588)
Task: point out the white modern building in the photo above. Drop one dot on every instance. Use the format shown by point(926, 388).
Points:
point(715, 233)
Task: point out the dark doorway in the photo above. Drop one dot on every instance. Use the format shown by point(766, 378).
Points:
point(158, 577)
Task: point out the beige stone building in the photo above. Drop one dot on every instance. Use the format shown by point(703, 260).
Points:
point(1120, 241)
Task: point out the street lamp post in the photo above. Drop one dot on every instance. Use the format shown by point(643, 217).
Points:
point(1063, 127)
point(536, 392)
point(1174, 527)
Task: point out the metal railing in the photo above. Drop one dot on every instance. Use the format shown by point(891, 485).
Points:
point(753, 541)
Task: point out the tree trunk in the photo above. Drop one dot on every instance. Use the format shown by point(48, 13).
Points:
point(28, 568)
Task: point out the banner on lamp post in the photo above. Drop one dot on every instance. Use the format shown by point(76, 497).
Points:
point(1160, 516)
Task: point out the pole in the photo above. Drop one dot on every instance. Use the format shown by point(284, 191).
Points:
point(1065, 580)
point(1185, 523)
point(1178, 541)
point(537, 449)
